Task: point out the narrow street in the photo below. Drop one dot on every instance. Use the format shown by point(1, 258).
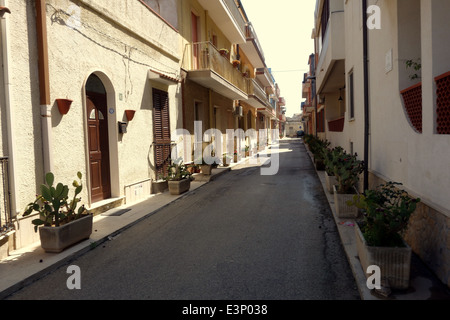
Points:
point(243, 236)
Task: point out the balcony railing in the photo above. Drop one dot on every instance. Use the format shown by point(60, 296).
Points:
point(412, 99)
point(443, 103)
point(202, 56)
point(227, 17)
point(254, 89)
point(5, 211)
point(336, 125)
point(236, 14)
point(251, 35)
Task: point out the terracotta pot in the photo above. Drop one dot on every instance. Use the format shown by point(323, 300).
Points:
point(64, 105)
point(130, 114)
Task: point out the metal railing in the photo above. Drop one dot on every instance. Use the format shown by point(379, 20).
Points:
point(205, 56)
point(5, 209)
point(236, 14)
point(256, 90)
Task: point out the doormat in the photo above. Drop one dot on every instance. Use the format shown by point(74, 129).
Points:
point(115, 213)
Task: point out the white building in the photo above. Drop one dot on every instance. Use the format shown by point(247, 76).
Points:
point(408, 123)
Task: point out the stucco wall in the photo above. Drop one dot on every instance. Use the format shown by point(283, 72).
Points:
point(117, 40)
point(397, 152)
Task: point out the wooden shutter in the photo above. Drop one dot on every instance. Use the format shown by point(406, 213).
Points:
point(161, 129)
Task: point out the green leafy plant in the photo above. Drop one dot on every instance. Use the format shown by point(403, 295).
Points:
point(386, 212)
point(317, 146)
point(416, 65)
point(178, 171)
point(347, 169)
point(331, 157)
point(53, 204)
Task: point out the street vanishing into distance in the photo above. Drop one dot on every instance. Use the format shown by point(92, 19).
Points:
point(243, 236)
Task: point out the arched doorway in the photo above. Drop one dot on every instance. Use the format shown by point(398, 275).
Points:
point(98, 139)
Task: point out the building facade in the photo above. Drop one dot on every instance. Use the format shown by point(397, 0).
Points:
point(133, 73)
point(390, 106)
point(107, 58)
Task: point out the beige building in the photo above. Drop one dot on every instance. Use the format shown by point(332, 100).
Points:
point(107, 57)
point(405, 135)
point(131, 73)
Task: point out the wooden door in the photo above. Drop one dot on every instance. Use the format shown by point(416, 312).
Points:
point(98, 146)
point(161, 132)
point(195, 39)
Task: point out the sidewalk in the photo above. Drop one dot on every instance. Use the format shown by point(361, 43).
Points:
point(424, 285)
point(28, 264)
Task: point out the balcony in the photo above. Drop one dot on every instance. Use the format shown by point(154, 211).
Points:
point(331, 66)
point(252, 48)
point(257, 97)
point(336, 125)
point(208, 67)
point(265, 78)
point(227, 17)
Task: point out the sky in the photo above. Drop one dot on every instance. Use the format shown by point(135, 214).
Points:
point(284, 29)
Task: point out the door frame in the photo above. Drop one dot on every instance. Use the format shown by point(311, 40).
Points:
point(113, 136)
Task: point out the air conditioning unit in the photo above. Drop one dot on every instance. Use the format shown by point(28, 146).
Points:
point(239, 111)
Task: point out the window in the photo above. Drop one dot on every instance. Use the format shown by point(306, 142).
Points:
point(351, 94)
point(325, 18)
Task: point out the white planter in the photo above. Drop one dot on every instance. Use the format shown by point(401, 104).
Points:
point(342, 209)
point(56, 239)
point(206, 169)
point(179, 187)
point(394, 262)
point(330, 181)
point(159, 186)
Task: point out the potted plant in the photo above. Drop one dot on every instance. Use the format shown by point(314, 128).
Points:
point(60, 223)
point(226, 160)
point(247, 151)
point(236, 156)
point(6, 231)
point(330, 159)
point(224, 52)
point(179, 179)
point(317, 147)
point(236, 63)
point(386, 212)
point(160, 185)
point(347, 169)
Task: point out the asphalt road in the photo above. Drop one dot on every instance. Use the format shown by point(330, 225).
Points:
point(244, 236)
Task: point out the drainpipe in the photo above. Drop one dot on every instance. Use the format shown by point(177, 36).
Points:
point(44, 85)
point(9, 114)
point(366, 97)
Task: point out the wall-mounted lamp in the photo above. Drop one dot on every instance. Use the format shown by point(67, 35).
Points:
point(340, 96)
point(130, 114)
point(64, 105)
point(123, 127)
